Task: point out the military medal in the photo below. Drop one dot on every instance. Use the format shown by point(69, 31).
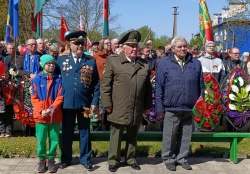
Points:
point(66, 66)
point(86, 75)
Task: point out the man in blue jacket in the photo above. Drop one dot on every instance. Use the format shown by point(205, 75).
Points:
point(179, 83)
point(81, 87)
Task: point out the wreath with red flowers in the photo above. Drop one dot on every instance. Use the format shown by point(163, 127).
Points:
point(207, 111)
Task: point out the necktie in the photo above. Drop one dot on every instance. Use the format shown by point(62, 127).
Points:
point(77, 61)
point(181, 63)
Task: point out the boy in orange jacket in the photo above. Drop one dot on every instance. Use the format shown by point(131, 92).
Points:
point(46, 99)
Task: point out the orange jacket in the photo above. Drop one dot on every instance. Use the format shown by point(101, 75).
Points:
point(47, 94)
point(100, 61)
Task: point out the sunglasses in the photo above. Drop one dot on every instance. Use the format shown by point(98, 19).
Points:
point(78, 43)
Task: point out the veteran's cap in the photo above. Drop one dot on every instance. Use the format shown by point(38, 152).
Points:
point(95, 43)
point(76, 36)
point(132, 37)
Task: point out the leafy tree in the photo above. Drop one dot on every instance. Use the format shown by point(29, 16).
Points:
point(161, 41)
point(92, 15)
point(24, 9)
point(196, 41)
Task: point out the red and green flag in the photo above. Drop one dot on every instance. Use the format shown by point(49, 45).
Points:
point(105, 18)
point(202, 26)
point(36, 19)
point(206, 28)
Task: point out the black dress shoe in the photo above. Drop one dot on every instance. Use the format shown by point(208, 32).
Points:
point(171, 166)
point(113, 168)
point(185, 165)
point(88, 166)
point(63, 165)
point(134, 166)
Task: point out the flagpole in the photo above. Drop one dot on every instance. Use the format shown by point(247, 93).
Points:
point(15, 49)
point(41, 24)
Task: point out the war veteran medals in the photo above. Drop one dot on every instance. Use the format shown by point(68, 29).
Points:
point(67, 66)
point(86, 75)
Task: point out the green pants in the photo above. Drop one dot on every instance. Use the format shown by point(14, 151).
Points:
point(44, 130)
point(116, 133)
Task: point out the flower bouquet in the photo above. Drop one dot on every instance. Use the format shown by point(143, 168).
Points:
point(236, 99)
point(153, 117)
point(95, 118)
point(207, 111)
point(23, 109)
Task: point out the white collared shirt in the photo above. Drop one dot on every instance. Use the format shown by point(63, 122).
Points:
point(75, 58)
point(130, 60)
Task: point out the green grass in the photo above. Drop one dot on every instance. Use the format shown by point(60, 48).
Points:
point(26, 147)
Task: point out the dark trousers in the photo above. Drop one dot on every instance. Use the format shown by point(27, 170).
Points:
point(105, 121)
point(68, 126)
point(6, 119)
point(116, 133)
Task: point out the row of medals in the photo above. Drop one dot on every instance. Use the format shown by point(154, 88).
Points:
point(86, 75)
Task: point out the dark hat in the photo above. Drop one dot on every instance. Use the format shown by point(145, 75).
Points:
point(76, 36)
point(132, 37)
point(95, 43)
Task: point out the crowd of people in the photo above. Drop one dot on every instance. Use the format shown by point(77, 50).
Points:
point(61, 82)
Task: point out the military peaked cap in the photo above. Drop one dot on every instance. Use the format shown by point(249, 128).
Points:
point(76, 36)
point(132, 37)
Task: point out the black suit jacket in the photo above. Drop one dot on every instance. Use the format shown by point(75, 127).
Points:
point(9, 63)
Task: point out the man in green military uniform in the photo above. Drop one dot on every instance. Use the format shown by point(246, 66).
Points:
point(125, 94)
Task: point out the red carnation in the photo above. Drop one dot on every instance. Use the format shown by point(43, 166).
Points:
point(219, 108)
point(216, 118)
point(197, 119)
point(152, 72)
point(207, 125)
point(215, 86)
point(207, 78)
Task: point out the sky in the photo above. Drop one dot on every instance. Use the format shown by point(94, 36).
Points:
point(158, 15)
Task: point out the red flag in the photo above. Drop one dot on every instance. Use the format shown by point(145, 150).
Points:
point(63, 29)
point(33, 20)
point(207, 23)
point(88, 44)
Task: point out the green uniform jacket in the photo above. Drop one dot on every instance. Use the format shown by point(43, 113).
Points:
point(126, 87)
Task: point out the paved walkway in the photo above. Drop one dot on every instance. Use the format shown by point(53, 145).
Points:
point(148, 165)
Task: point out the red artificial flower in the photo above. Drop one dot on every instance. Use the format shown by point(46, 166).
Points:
point(152, 72)
point(25, 122)
point(207, 78)
point(201, 146)
point(86, 111)
point(16, 108)
point(215, 86)
point(197, 119)
point(207, 124)
point(218, 95)
point(17, 116)
point(219, 108)
point(215, 118)
point(31, 118)
point(208, 115)
point(209, 107)
point(32, 124)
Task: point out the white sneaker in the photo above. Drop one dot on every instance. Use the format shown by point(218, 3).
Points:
point(2, 135)
point(7, 134)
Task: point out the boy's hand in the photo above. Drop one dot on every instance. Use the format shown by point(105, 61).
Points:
point(44, 113)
